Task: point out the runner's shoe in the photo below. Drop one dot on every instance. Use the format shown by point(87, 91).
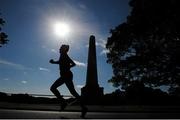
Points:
point(83, 112)
point(63, 106)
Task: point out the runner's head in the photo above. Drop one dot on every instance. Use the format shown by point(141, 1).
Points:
point(64, 49)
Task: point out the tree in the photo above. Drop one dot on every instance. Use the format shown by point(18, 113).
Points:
point(146, 47)
point(3, 36)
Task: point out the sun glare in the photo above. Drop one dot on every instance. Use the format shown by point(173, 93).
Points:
point(61, 29)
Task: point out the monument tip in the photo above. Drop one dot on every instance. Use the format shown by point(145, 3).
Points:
point(92, 37)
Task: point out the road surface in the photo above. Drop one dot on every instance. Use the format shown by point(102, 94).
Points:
point(37, 114)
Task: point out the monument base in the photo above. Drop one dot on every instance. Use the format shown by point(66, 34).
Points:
point(92, 95)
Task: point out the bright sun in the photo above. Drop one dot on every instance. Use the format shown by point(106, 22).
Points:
point(61, 29)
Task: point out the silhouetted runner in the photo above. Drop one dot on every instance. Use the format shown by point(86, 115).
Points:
point(66, 76)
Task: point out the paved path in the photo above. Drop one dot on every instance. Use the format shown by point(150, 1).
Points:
point(37, 114)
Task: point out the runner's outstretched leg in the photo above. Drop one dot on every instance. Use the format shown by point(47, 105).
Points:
point(72, 90)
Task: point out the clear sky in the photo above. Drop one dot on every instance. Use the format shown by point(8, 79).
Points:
point(24, 61)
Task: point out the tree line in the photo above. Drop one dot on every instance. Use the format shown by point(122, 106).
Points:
point(146, 47)
point(3, 35)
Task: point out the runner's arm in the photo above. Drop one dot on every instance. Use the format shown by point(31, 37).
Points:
point(54, 62)
point(72, 63)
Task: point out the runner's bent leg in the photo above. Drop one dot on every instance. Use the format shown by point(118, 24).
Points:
point(54, 87)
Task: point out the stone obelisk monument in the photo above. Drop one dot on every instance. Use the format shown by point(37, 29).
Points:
point(92, 89)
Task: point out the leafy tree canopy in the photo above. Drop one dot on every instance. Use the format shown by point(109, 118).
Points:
point(146, 47)
point(3, 36)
